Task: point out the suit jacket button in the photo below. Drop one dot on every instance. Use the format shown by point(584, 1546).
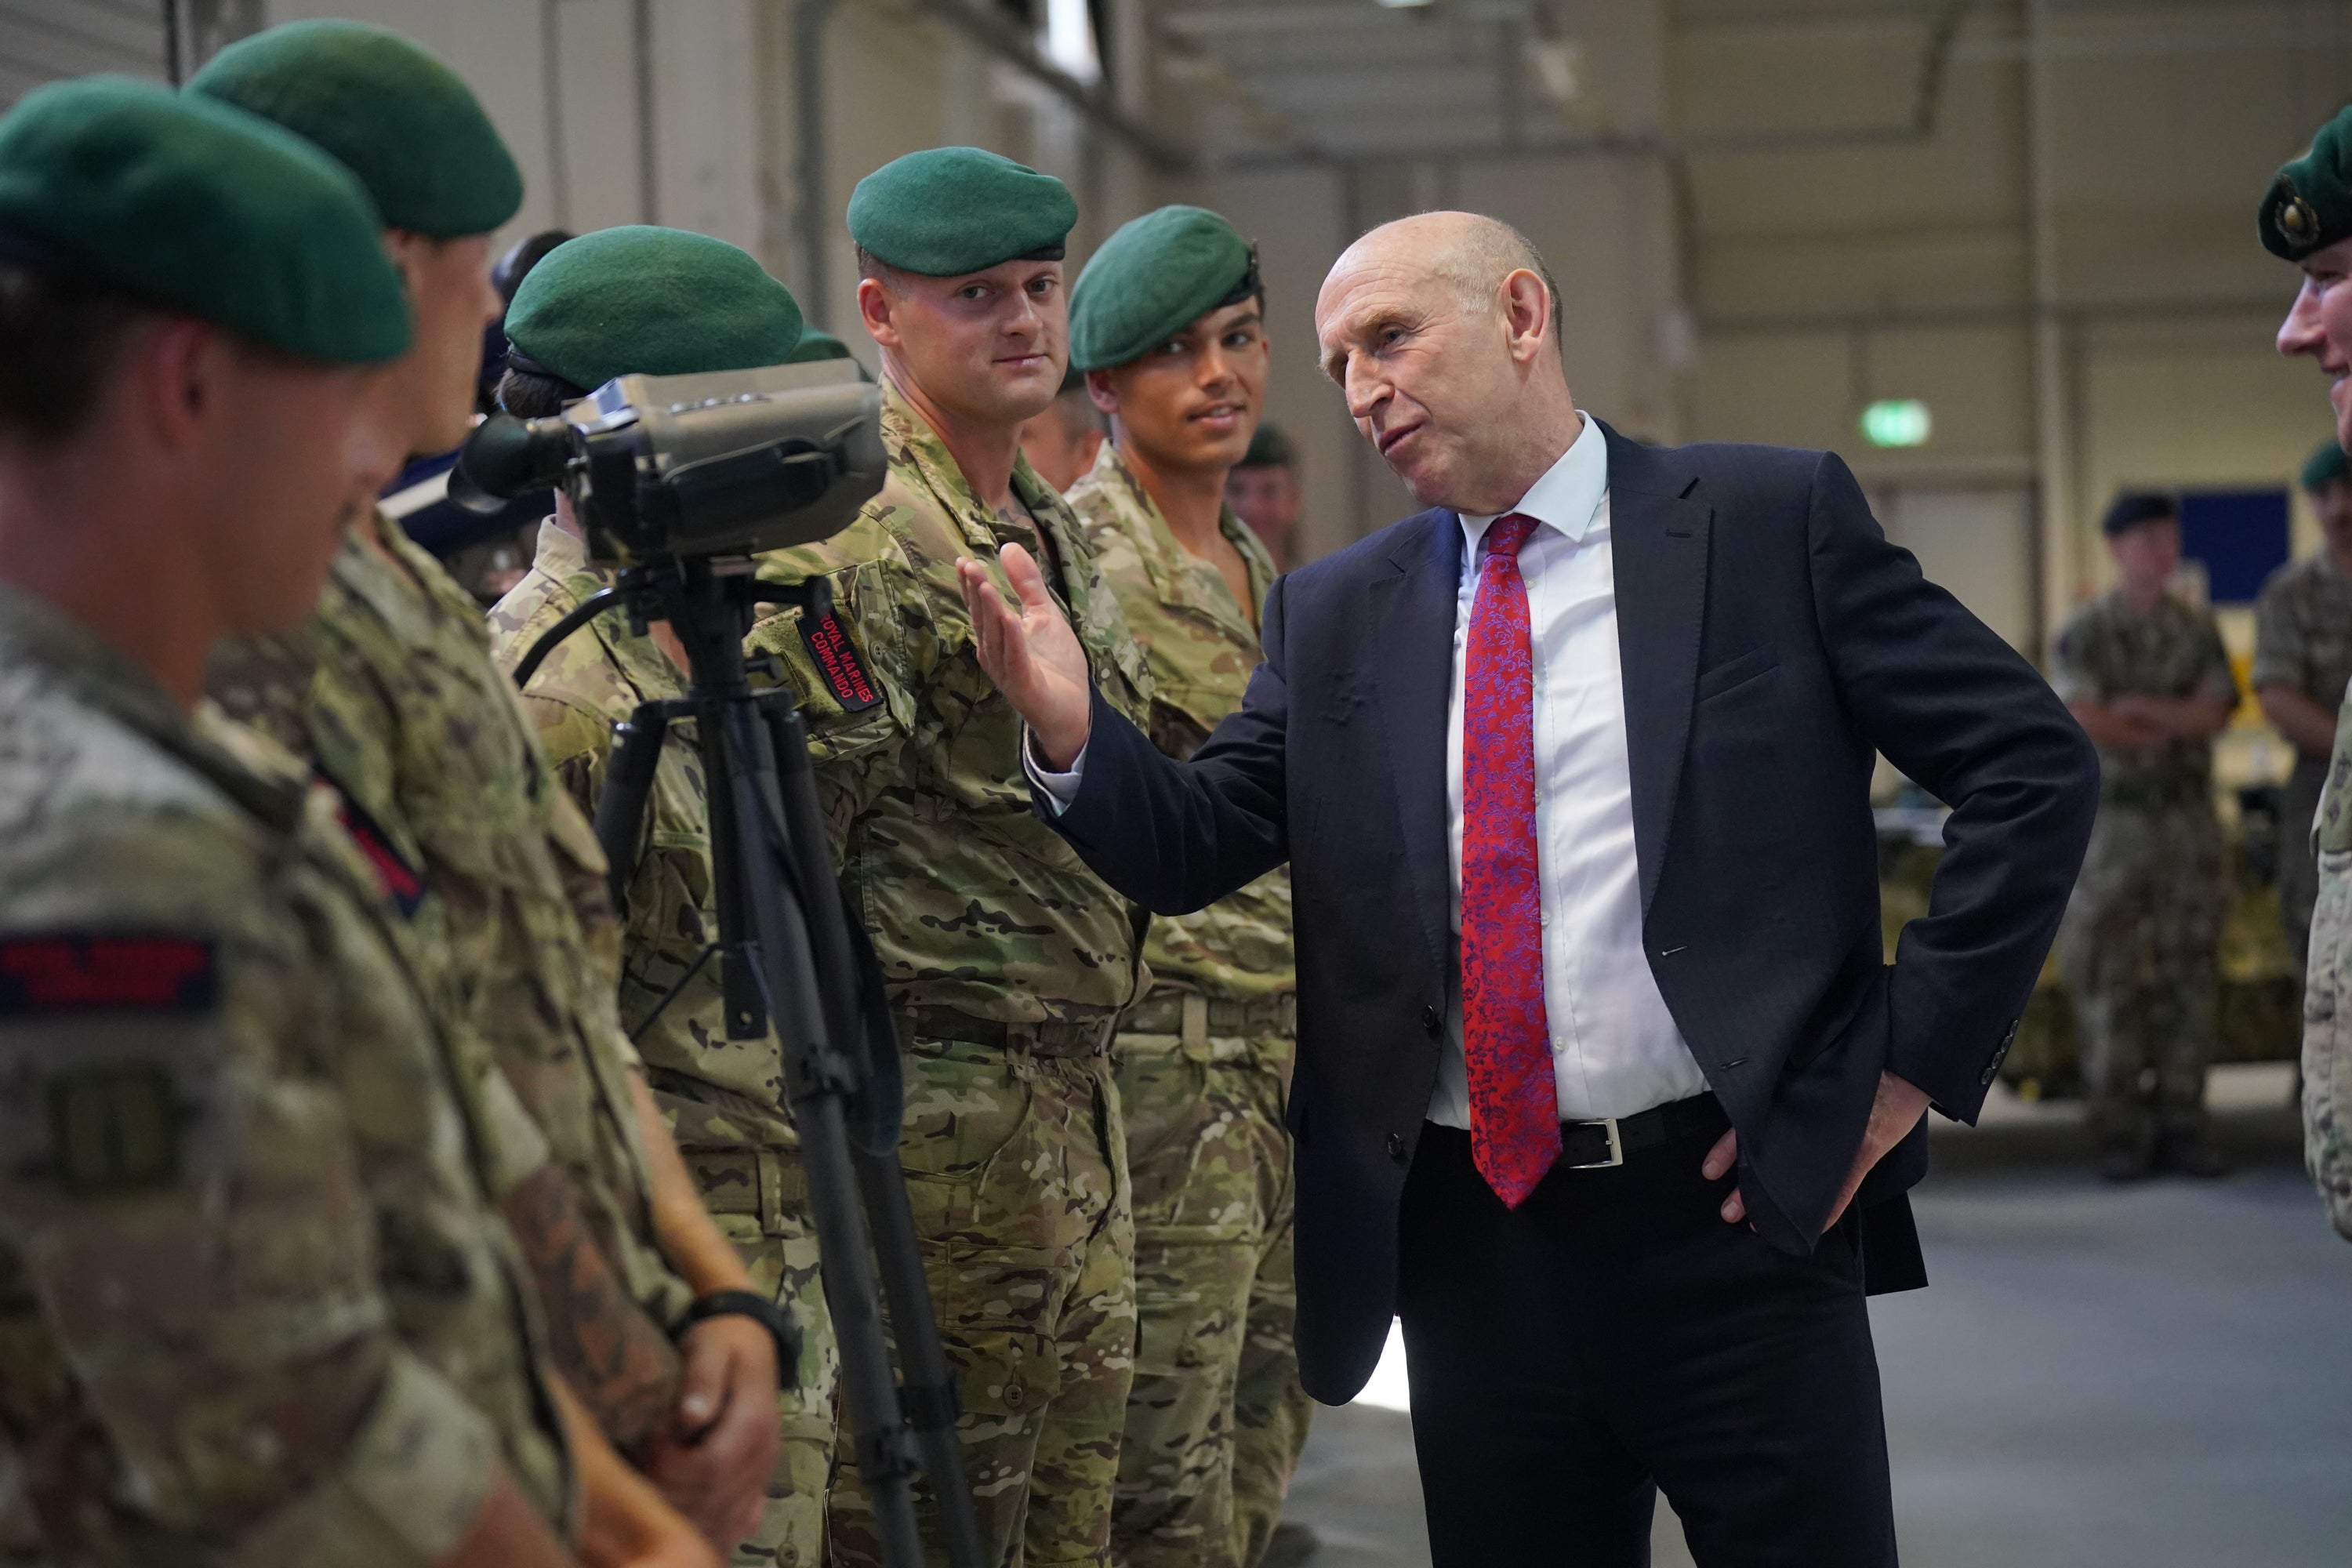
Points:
point(1433, 1020)
point(1396, 1146)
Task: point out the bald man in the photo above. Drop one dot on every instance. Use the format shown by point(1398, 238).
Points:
point(1602, 1084)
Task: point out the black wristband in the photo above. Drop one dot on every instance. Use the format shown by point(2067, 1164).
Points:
point(760, 1311)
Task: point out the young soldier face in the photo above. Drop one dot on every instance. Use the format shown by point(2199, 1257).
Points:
point(2148, 554)
point(1192, 402)
point(2319, 326)
point(424, 401)
point(989, 347)
point(281, 458)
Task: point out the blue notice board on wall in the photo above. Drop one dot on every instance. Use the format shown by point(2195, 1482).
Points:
point(2240, 535)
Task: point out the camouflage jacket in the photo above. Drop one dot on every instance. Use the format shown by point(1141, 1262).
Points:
point(716, 1092)
point(1200, 648)
point(254, 1301)
point(391, 693)
point(973, 903)
point(2303, 630)
point(2104, 651)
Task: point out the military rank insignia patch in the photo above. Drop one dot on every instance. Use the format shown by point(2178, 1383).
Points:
point(837, 663)
point(110, 1059)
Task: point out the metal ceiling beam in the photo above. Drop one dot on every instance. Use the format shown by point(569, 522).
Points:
point(1260, 20)
point(1005, 39)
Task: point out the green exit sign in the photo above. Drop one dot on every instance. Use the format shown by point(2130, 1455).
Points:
point(1897, 422)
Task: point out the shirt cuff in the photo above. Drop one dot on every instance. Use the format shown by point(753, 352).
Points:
point(1059, 788)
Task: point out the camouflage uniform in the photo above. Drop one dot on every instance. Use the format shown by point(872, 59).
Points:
point(2139, 946)
point(1203, 1064)
point(391, 693)
point(723, 1099)
point(1007, 963)
point(2327, 998)
point(2303, 638)
point(253, 1301)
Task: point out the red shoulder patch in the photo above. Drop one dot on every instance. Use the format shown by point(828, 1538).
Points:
point(403, 883)
point(115, 973)
point(837, 661)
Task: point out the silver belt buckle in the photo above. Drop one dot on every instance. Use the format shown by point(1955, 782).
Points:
point(1616, 1146)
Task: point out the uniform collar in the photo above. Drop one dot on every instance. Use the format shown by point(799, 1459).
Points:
point(1174, 580)
point(1567, 499)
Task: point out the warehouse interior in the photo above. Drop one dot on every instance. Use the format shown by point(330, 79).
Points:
point(1998, 254)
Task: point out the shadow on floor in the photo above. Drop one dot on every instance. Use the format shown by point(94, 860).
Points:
point(2147, 1376)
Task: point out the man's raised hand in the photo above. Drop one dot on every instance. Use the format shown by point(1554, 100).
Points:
point(1033, 655)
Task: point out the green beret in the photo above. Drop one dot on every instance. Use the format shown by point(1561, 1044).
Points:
point(2309, 204)
point(954, 210)
point(817, 344)
point(198, 207)
point(1151, 279)
point(406, 124)
point(641, 300)
point(2328, 466)
point(1269, 447)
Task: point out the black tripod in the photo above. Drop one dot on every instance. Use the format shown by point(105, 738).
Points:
point(791, 952)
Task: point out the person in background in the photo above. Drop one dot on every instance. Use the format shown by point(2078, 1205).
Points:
point(1167, 325)
point(662, 302)
point(1264, 491)
point(2305, 217)
point(1061, 443)
point(390, 693)
point(259, 1307)
point(2147, 677)
point(2302, 661)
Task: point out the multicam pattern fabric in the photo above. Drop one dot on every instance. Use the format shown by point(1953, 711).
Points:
point(1216, 1419)
point(391, 693)
point(1513, 1103)
point(722, 1098)
point(1016, 1172)
point(2303, 639)
point(1014, 1158)
point(2105, 651)
point(973, 904)
point(2140, 944)
point(2327, 993)
point(253, 1300)
point(1199, 647)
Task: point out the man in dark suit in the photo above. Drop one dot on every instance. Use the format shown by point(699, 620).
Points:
point(1602, 1084)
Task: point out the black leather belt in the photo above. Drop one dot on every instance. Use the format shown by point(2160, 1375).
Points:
point(1592, 1145)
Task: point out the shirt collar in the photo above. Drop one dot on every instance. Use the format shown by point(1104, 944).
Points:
point(1569, 496)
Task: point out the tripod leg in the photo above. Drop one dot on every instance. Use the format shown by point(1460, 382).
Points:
point(628, 781)
point(928, 1397)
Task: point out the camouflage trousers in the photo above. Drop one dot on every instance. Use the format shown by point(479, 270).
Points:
point(2328, 1042)
point(1016, 1172)
point(2139, 949)
point(760, 1201)
point(1217, 1419)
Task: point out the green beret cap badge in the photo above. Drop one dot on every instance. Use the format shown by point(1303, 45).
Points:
point(1151, 279)
point(2309, 204)
point(407, 125)
point(641, 300)
point(953, 210)
point(198, 207)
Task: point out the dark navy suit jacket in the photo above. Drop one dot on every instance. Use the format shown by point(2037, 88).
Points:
point(1771, 639)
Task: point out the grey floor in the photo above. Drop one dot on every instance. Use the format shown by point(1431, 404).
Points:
point(2157, 1376)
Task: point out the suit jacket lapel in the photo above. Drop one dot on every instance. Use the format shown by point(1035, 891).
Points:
point(1414, 608)
point(1659, 531)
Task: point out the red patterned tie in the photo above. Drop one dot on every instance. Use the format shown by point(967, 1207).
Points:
point(1506, 1038)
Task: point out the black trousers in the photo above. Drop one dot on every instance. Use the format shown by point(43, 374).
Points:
point(1613, 1338)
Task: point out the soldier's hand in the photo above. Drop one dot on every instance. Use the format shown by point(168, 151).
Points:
point(714, 1462)
point(1033, 655)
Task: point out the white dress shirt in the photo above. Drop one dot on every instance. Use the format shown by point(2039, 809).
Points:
point(1614, 1047)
